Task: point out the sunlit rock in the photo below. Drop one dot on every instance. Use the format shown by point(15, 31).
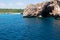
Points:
point(56, 5)
point(43, 9)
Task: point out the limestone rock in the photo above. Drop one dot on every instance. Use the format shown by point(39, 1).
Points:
point(56, 10)
point(33, 10)
point(43, 9)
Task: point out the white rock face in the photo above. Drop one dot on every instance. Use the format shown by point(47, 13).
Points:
point(56, 10)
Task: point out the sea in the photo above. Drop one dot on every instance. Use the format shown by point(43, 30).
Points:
point(15, 27)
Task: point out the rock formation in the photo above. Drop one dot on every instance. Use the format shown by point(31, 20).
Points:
point(56, 4)
point(43, 9)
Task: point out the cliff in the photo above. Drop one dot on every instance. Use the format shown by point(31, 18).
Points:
point(44, 9)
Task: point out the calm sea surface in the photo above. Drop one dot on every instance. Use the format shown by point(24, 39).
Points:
point(15, 27)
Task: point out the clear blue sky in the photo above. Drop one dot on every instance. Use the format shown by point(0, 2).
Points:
point(17, 3)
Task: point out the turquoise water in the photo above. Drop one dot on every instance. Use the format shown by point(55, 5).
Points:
point(15, 27)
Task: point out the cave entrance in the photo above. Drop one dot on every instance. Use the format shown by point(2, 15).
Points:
point(47, 9)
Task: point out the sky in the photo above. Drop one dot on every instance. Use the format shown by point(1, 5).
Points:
point(17, 4)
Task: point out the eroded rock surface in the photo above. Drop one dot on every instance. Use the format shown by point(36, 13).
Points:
point(43, 9)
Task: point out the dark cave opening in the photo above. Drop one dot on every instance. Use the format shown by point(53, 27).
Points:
point(47, 9)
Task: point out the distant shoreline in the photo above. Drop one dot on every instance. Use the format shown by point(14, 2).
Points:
point(11, 11)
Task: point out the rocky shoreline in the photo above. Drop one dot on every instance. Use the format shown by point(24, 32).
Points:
point(44, 9)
